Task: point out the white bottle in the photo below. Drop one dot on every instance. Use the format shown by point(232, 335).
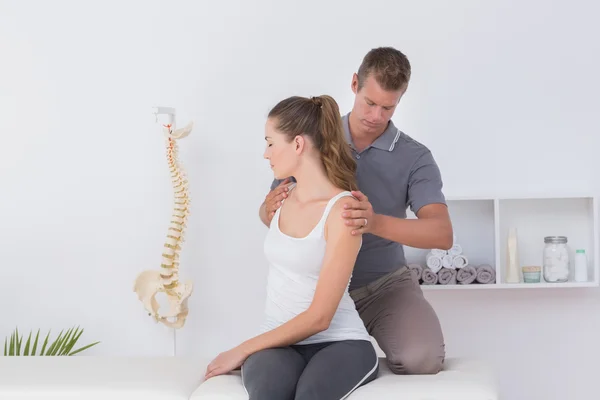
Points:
point(581, 270)
point(512, 267)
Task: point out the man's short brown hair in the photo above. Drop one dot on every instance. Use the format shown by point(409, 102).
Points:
point(389, 66)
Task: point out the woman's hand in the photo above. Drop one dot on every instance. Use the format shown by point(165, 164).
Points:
point(359, 214)
point(225, 362)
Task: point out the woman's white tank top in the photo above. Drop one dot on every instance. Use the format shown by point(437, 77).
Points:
point(294, 268)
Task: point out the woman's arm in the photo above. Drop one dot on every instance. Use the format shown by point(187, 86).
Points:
point(338, 263)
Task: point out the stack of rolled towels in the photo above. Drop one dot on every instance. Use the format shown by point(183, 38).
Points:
point(451, 267)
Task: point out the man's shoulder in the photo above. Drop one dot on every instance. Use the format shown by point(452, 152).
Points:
point(410, 148)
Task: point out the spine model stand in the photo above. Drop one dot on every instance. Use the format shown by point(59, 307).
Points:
point(166, 280)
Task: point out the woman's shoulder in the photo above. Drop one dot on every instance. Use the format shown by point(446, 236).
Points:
point(342, 194)
point(338, 198)
point(339, 202)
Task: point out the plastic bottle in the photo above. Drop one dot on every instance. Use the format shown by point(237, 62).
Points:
point(581, 271)
point(512, 267)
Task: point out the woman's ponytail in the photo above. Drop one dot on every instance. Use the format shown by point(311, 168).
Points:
point(339, 164)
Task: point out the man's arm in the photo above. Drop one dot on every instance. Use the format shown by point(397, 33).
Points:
point(340, 255)
point(433, 228)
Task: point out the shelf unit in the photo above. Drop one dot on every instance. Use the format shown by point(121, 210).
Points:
point(481, 226)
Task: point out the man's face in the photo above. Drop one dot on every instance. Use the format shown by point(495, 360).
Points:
point(373, 106)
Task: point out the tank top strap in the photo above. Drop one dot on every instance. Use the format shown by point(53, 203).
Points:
point(333, 200)
point(328, 208)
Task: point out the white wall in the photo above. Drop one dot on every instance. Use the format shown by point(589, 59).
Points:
point(504, 93)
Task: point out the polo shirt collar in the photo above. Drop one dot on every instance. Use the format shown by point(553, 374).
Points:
point(386, 141)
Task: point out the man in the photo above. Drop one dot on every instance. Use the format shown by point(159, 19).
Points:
point(394, 172)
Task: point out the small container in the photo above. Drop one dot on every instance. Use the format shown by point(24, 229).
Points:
point(581, 271)
point(532, 274)
point(556, 259)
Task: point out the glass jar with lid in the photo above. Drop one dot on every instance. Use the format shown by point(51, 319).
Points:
point(556, 259)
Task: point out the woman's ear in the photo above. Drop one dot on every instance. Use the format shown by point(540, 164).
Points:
point(299, 144)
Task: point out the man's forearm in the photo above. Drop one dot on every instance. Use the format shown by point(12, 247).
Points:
point(424, 233)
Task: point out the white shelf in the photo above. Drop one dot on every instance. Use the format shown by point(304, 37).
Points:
point(481, 226)
point(499, 285)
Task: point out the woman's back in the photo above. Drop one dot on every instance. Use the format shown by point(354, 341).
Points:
point(295, 248)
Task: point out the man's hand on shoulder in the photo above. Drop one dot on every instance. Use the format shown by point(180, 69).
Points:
point(431, 229)
point(358, 214)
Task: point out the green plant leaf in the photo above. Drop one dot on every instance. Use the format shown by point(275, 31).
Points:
point(61, 346)
point(78, 335)
point(56, 344)
point(19, 338)
point(45, 343)
point(65, 342)
point(50, 351)
point(26, 351)
point(83, 348)
point(76, 338)
point(12, 345)
point(70, 342)
point(35, 343)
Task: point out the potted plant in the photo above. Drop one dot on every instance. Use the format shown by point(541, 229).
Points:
point(61, 346)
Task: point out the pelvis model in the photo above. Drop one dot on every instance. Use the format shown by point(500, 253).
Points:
point(166, 279)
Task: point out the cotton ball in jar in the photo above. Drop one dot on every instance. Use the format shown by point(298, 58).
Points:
point(556, 259)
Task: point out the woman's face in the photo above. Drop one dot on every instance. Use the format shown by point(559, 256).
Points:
point(282, 154)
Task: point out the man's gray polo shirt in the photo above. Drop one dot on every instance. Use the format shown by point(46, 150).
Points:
point(395, 172)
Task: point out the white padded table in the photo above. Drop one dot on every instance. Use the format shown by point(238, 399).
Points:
point(99, 378)
point(179, 378)
point(460, 380)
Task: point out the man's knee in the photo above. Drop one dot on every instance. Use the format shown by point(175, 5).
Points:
point(416, 361)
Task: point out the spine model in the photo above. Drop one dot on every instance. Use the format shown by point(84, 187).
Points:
point(166, 280)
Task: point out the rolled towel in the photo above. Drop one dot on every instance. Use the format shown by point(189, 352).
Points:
point(455, 250)
point(429, 277)
point(485, 274)
point(447, 276)
point(438, 252)
point(459, 261)
point(447, 261)
point(434, 263)
point(416, 270)
point(466, 275)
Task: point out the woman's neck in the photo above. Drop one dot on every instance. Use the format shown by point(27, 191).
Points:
point(312, 183)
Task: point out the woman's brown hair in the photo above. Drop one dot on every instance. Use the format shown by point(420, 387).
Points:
point(319, 118)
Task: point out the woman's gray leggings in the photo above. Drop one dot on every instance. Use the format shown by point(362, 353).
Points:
point(321, 371)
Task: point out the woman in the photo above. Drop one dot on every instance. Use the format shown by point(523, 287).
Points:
point(313, 343)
